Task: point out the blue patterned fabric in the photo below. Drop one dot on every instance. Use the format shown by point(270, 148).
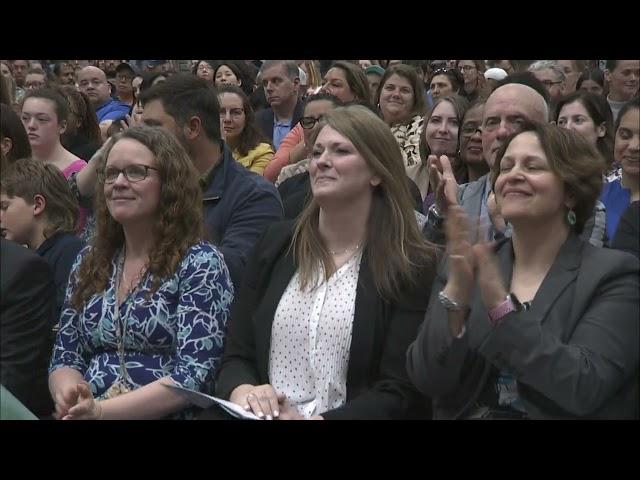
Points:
point(178, 332)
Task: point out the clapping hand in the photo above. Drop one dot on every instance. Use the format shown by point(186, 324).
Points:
point(442, 182)
point(490, 283)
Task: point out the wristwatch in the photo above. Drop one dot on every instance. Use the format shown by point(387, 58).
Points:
point(435, 217)
point(450, 304)
point(511, 304)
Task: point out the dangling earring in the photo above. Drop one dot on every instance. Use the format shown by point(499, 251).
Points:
point(571, 217)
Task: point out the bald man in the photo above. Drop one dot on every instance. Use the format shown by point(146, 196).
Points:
point(93, 82)
point(505, 110)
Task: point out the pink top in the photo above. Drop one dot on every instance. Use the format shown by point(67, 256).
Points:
point(73, 168)
point(281, 158)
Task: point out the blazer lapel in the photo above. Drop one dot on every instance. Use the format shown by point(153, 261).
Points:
point(278, 281)
point(363, 330)
point(562, 272)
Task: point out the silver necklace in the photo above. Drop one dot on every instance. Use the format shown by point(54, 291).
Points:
point(346, 250)
point(121, 385)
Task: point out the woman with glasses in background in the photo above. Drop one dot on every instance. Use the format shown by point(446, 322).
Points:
point(473, 74)
point(249, 146)
point(293, 181)
point(204, 69)
point(148, 302)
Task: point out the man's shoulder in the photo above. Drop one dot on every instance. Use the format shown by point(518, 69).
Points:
point(264, 113)
point(240, 179)
point(18, 262)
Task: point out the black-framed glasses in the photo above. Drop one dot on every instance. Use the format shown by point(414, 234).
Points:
point(309, 122)
point(469, 129)
point(133, 173)
point(550, 83)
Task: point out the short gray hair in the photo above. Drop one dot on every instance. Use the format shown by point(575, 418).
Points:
point(550, 65)
point(290, 67)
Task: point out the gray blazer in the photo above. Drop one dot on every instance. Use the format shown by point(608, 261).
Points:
point(574, 353)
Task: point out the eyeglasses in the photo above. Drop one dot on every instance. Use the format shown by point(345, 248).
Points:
point(467, 68)
point(549, 83)
point(133, 173)
point(309, 122)
point(469, 129)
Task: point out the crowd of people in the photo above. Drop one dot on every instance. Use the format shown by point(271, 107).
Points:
point(317, 240)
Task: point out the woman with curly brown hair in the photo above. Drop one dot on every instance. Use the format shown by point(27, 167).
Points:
point(147, 303)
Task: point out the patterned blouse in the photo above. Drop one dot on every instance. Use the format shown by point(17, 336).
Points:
point(311, 340)
point(408, 137)
point(178, 332)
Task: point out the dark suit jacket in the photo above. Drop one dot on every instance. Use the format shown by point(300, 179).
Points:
point(238, 206)
point(574, 353)
point(27, 306)
point(60, 251)
point(265, 119)
point(377, 382)
point(627, 237)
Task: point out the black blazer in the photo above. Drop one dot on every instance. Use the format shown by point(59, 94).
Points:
point(377, 383)
point(27, 303)
point(265, 119)
point(574, 353)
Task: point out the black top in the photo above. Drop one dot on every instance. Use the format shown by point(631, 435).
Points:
point(60, 252)
point(627, 236)
point(27, 303)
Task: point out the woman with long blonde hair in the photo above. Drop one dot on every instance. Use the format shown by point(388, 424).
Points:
point(331, 302)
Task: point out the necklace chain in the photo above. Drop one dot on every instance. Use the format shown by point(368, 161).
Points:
point(346, 250)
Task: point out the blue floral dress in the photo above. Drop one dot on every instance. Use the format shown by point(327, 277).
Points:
point(178, 332)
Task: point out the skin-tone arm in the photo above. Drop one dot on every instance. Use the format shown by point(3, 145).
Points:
point(297, 153)
point(461, 266)
point(145, 403)
point(63, 384)
point(87, 178)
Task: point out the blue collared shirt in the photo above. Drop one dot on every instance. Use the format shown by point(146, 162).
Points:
point(280, 130)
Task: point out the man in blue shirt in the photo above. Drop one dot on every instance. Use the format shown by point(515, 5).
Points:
point(93, 82)
point(281, 82)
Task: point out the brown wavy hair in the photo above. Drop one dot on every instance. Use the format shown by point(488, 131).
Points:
point(572, 158)
point(394, 256)
point(178, 226)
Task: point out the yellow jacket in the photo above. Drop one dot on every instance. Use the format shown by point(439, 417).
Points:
point(257, 159)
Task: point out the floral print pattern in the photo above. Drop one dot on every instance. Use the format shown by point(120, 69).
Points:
point(179, 331)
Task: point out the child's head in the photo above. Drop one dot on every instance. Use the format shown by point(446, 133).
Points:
point(35, 201)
